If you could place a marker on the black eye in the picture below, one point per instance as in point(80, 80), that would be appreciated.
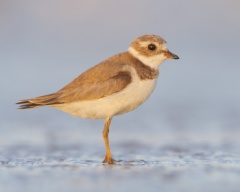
point(151, 47)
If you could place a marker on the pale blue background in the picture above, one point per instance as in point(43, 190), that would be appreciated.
point(45, 44)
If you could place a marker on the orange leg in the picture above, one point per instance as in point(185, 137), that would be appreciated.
point(108, 158)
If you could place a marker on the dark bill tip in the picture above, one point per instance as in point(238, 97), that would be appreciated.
point(175, 57)
point(170, 55)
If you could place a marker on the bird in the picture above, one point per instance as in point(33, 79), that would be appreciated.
point(113, 87)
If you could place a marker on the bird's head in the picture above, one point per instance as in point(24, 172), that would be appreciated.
point(151, 50)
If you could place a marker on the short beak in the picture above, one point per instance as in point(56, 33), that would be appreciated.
point(170, 55)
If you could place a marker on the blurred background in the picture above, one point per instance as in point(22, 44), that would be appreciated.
point(46, 44)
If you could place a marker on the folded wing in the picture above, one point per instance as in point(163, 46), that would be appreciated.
point(95, 83)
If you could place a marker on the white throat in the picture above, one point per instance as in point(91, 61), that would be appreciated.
point(151, 61)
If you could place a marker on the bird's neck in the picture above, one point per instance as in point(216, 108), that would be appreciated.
point(143, 71)
point(151, 61)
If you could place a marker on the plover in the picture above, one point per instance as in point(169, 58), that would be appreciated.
point(115, 86)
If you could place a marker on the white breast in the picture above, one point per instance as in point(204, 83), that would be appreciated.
point(118, 103)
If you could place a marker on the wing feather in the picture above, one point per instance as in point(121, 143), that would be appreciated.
point(96, 89)
point(106, 78)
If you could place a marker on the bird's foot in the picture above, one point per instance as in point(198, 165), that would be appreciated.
point(109, 160)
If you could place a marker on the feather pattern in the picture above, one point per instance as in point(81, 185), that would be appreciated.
point(106, 78)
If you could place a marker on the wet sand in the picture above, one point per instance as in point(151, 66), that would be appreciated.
point(168, 163)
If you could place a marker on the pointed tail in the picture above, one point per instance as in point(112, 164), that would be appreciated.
point(45, 100)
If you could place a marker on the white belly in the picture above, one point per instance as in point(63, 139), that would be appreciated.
point(118, 103)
